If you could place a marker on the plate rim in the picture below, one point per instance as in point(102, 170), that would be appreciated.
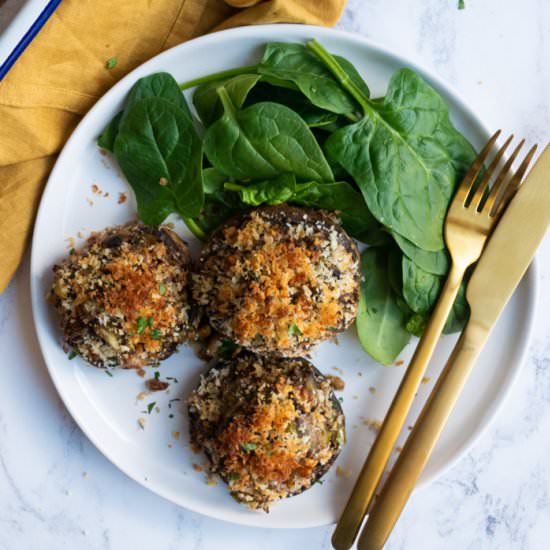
point(358, 41)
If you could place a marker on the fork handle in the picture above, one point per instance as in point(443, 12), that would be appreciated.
point(379, 454)
point(422, 440)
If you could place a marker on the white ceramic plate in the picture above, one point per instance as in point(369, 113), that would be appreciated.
point(106, 408)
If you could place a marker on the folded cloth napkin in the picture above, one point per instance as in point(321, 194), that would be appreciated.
point(67, 68)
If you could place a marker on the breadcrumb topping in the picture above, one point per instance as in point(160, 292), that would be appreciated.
point(270, 427)
point(279, 279)
point(123, 299)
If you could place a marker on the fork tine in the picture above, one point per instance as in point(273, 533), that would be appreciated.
point(501, 178)
point(510, 188)
point(469, 179)
point(481, 190)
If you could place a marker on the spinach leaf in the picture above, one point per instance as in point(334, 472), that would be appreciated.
point(421, 290)
point(317, 119)
point(395, 272)
point(276, 191)
point(337, 169)
point(156, 85)
point(162, 85)
point(219, 204)
point(459, 313)
point(217, 209)
point(296, 64)
point(437, 263)
point(406, 178)
point(353, 74)
point(416, 324)
point(380, 321)
point(207, 101)
point(393, 180)
point(418, 112)
point(106, 139)
point(377, 237)
point(160, 154)
point(213, 181)
point(313, 116)
point(218, 76)
point(331, 127)
point(263, 141)
point(404, 154)
point(455, 322)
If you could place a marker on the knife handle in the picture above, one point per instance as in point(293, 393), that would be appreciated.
point(421, 441)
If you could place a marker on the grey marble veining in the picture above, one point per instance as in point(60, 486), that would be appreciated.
point(57, 491)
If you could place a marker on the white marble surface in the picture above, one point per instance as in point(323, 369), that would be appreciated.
point(57, 491)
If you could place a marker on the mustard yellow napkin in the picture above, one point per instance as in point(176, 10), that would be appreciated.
point(63, 73)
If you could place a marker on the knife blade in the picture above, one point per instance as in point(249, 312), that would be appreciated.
point(503, 263)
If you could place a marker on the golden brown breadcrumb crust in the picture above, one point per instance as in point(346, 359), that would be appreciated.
point(123, 300)
point(270, 427)
point(279, 279)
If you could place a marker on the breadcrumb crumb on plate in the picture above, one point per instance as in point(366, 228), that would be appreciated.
point(343, 472)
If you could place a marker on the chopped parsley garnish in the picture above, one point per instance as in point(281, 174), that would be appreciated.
point(156, 333)
point(341, 399)
point(150, 407)
point(247, 447)
point(461, 4)
point(72, 354)
point(294, 330)
point(111, 63)
point(142, 323)
point(232, 476)
point(72, 251)
point(157, 375)
point(162, 289)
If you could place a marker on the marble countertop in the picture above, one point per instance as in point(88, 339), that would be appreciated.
point(57, 491)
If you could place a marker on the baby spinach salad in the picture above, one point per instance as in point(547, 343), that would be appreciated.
point(300, 127)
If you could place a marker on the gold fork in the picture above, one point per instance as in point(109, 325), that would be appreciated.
point(473, 213)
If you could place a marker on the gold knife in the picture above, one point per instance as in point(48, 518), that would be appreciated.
point(500, 269)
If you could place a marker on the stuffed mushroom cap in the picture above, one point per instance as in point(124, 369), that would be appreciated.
point(123, 301)
point(279, 279)
point(270, 426)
